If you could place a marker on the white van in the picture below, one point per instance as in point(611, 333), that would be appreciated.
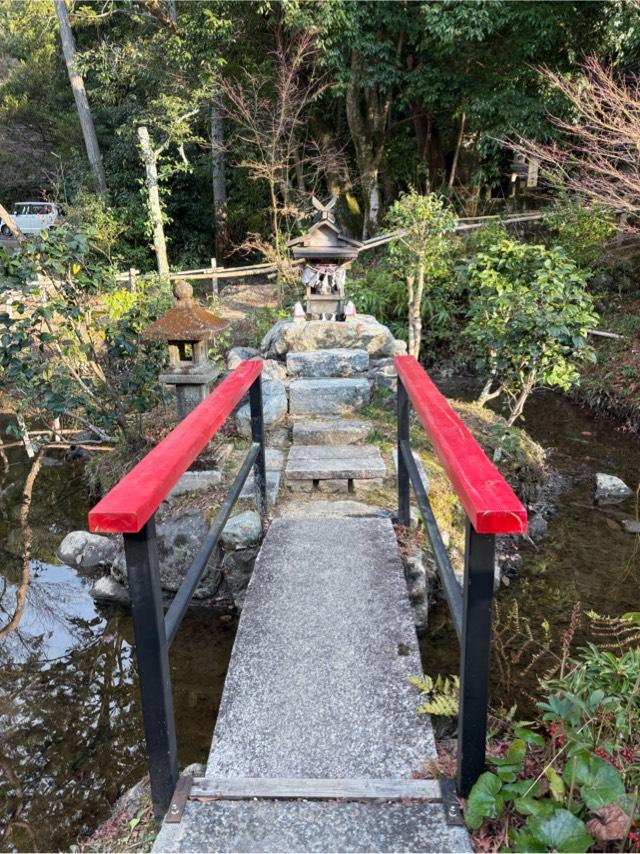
point(31, 217)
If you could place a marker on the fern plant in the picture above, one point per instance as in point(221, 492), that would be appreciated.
point(441, 694)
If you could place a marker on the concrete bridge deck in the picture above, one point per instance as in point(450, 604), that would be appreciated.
point(317, 689)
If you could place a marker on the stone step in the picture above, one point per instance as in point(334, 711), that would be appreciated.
point(334, 462)
point(328, 363)
point(325, 509)
point(332, 431)
point(328, 396)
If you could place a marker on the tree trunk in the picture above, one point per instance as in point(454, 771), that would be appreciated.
point(155, 209)
point(9, 221)
point(411, 301)
point(518, 409)
point(372, 195)
point(299, 168)
point(454, 165)
point(416, 310)
point(367, 115)
point(80, 96)
point(218, 173)
point(488, 392)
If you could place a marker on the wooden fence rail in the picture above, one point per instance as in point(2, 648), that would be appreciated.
point(216, 273)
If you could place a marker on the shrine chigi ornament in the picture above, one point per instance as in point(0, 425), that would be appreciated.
point(328, 254)
point(187, 327)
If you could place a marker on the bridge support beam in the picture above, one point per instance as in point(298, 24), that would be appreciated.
point(152, 654)
point(475, 649)
point(257, 435)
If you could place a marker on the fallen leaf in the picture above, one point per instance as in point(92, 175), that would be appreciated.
point(610, 822)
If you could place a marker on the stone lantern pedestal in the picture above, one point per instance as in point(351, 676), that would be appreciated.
point(192, 385)
point(187, 328)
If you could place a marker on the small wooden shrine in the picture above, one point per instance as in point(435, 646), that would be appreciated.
point(328, 254)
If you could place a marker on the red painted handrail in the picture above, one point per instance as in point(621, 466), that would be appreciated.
point(489, 501)
point(126, 508)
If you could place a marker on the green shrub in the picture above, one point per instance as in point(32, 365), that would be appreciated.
point(71, 340)
point(581, 232)
point(421, 255)
point(529, 313)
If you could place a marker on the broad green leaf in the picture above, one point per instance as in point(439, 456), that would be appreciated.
point(523, 840)
point(534, 806)
point(485, 798)
point(604, 787)
point(560, 831)
point(519, 788)
point(529, 736)
point(514, 755)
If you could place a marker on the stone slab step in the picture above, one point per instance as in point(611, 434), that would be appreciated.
point(335, 462)
point(328, 363)
point(328, 509)
point(318, 688)
point(328, 396)
point(333, 431)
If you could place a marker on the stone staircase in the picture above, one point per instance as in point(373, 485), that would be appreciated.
point(326, 391)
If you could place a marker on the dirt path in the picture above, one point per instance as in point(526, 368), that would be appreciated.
point(237, 300)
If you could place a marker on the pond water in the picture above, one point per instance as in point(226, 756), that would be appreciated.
point(71, 738)
point(586, 556)
point(70, 728)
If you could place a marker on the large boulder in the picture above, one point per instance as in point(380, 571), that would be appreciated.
point(274, 407)
point(178, 540)
point(111, 592)
point(237, 567)
point(362, 333)
point(87, 551)
point(236, 355)
point(241, 531)
point(610, 489)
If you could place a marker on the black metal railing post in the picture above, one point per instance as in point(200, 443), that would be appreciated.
point(257, 434)
point(153, 664)
point(404, 505)
point(475, 647)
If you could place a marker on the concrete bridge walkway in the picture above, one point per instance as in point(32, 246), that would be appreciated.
point(318, 745)
point(317, 691)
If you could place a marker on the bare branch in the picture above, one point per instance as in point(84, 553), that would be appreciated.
point(597, 156)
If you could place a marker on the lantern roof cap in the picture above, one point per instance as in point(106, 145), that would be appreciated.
point(186, 321)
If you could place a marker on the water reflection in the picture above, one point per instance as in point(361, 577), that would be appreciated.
point(586, 556)
point(71, 737)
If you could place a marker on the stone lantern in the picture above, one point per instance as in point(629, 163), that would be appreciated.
point(328, 254)
point(187, 327)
